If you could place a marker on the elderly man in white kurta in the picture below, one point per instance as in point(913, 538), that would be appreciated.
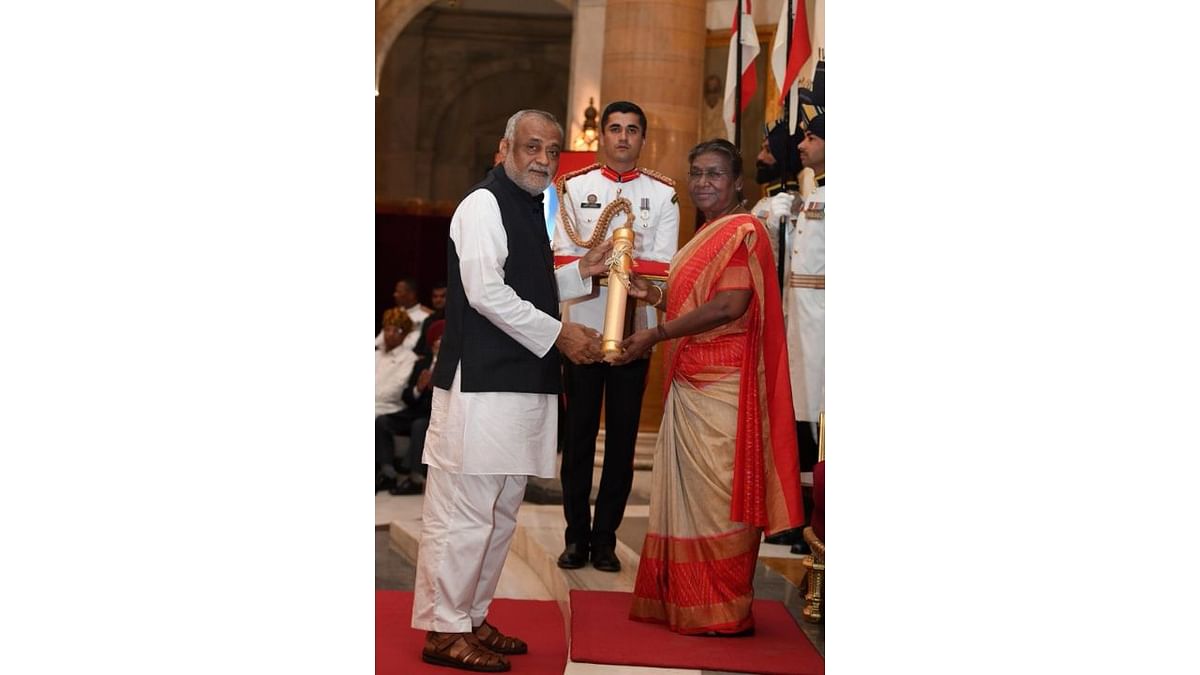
point(805, 306)
point(494, 410)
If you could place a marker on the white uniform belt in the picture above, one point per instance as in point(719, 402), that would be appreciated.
point(807, 281)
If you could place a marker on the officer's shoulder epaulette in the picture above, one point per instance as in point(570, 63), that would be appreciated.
point(659, 177)
point(577, 172)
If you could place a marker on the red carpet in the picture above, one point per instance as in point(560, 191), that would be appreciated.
point(601, 632)
point(537, 622)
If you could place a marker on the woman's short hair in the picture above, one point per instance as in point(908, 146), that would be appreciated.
point(399, 318)
point(719, 146)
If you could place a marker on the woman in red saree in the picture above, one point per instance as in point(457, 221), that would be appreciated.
point(726, 466)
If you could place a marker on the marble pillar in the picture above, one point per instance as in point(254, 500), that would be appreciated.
point(654, 56)
point(587, 46)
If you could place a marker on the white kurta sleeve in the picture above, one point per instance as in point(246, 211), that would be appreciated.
point(570, 286)
point(482, 247)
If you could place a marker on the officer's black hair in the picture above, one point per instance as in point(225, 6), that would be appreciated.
point(623, 107)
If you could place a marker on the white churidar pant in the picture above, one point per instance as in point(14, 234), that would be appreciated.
point(468, 524)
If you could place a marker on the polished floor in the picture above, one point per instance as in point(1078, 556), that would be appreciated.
point(530, 571)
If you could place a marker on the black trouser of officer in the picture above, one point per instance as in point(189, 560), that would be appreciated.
point(806, 442)
point(621, 389)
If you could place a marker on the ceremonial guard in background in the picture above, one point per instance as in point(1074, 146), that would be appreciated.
point(805, 304)
point(588, 205)
point(777, 165)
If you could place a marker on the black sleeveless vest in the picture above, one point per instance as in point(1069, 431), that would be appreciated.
point(491, 360)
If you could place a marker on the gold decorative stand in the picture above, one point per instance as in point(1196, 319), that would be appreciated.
point(814, 580)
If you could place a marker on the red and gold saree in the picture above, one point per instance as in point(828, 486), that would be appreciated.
point(726, 465)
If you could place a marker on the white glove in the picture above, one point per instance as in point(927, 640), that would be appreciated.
point(781, 205)
point(762, 209)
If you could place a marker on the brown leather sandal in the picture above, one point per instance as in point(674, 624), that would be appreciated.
point(493, 639)
point(461, 650)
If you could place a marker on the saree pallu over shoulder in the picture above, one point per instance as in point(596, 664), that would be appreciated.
point(766, 473)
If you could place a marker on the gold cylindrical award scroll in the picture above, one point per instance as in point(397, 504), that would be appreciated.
point(618, 292)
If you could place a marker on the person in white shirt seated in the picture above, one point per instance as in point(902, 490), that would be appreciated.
point(413, 421)
point(392, 370)
point(405, 297)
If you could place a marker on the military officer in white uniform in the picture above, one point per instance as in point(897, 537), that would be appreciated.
point(777, 165)
point(587, 216)
point(804, 308)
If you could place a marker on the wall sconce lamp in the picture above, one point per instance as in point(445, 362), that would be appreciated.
point(589, 139)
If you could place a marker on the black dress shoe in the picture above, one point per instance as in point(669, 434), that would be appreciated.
point(573, 557)
point(786, 538)
point(407, 487)
point(604, 558)
point(384, 483)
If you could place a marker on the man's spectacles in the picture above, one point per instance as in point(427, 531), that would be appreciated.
point(713, 175)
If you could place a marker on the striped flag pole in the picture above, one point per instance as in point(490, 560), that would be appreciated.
point(737, 106)
point(783, 162)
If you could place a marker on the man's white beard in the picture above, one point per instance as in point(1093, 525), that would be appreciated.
point(534, 185)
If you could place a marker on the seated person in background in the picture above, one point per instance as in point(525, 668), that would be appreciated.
point(405, 297)
point(392, 370)
point(438, 300)
point(414, 419)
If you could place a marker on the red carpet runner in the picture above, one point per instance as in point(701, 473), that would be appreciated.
point(537, 622)
point(601, 632)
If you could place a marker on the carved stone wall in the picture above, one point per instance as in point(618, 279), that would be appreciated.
point(449, 83)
